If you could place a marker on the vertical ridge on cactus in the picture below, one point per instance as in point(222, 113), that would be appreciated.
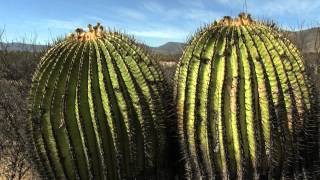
point(96, 109)
point(245, 105)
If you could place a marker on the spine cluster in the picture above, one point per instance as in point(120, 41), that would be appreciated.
point(93, 33)
point(245, 105)
point(98, 111)
point(245, 108)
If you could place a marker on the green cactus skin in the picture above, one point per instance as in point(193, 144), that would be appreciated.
point(245, 106)
point(97, 110)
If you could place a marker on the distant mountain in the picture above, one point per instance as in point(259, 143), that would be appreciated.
point(16, 46)
point(169, 48)
point(305, 40)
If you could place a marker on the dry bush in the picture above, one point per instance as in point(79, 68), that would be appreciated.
point(14, 163)
point(16, 69)
point(168, 65)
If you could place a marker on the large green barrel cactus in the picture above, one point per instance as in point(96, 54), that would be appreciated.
point(97, 111)
point(245, 105)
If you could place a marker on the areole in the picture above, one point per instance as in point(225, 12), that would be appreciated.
point(98, 109)
point(93, 33)
point(245, 105)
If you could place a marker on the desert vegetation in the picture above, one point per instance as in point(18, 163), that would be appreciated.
point(17, 69)
point(98, 109)
point(245, 85)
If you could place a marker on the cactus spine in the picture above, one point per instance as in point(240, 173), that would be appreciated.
point(96, 109)
point(245, 106)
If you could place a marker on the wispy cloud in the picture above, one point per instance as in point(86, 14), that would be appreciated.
point(224, 1)
point(130, 13)
point(288, 7)
point(61, 24)
point(194, 4)
point(153, 21)
point(95, 18)
point(153, 6)
point(55, 24)
point(163, 12)
point(191, 11)
point(165, 34)
point(202, 15)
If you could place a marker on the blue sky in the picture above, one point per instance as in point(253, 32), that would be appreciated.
point(153, 22)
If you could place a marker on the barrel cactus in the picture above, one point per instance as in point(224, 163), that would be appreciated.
point(245, 105)
point(97, 109)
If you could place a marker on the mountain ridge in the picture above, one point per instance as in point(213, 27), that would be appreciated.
point(170, 48)
point(18, 46)
point(308, 41)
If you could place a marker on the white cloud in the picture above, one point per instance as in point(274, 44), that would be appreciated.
point(162, 11)
point(190, 11)
point(95, 18)
point(153, 7)
point(223, 1)
point(54, 24)
point(194, 3)
point(202, 15)
point(130, 13)
point(164, 34)
point(288, 7)
point(61, 24)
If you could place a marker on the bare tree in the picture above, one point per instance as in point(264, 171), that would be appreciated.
point(317, 48)
point(12, 134)
point(16, 70)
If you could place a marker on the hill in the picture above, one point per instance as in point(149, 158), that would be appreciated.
point(17, 46)
point(307, 40)
point(169, 48)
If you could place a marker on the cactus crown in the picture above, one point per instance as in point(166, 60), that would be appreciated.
point(97, 109)
point(241, 20)
point(243, 96)
point(93, 33)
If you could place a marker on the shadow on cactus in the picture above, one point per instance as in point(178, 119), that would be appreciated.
point(245, 105)
point(97, 109)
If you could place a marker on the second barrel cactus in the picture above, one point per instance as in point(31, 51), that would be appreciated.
point(245, 106)
point(97, 109)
